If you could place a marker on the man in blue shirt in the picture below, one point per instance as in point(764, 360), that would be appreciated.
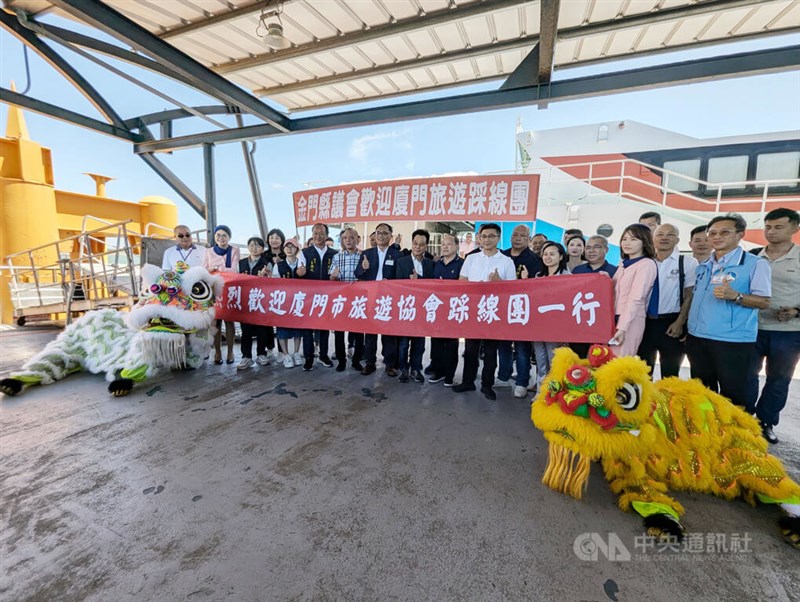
point(731, 286)
point(595, 252)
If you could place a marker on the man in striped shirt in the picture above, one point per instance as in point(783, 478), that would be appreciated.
point(343, 268)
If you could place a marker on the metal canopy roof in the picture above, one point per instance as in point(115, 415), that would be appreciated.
point(345, 51)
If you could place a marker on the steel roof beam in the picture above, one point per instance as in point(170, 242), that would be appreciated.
point(560, 68)
point(235, 13)
point(736, 65)
point(439, 17)
point(111, 50)
point(548, 28)
point(57, 62)
point(339, 78)
point(173, 114)
point(103, 17)
point(50, 110)
point(513, 44)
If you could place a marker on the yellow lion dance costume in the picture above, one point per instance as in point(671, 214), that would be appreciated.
point(652, 437)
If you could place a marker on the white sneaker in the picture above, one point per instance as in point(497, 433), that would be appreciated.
point(520, 392)
point(288, 362)
point(299, 360)
point(501, 383)
point(244, 364)
point(277, 356)
point(262, 360)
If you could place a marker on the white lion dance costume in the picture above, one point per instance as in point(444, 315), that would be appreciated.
point(172, 327)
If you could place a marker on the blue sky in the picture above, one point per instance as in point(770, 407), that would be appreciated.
point(478, 142)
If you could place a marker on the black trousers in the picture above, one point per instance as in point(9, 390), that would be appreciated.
point(722, 367)
point(341, 348)
point(471, 357)
point(444, 357)
point(308, 342)
point(671, 351)
point(388, 348)
point(264, 336)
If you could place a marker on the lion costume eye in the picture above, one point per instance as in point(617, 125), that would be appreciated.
point(629, 396)
point(201, 291)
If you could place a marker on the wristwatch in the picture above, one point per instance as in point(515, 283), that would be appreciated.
point(739, 299)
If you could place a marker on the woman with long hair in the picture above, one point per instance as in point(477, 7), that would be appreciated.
point(554, 258)
point(222, 257)
point(634, 281)
point(274, 252)
point(575, 252)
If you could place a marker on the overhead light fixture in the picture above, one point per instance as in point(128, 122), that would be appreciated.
point(270, 28)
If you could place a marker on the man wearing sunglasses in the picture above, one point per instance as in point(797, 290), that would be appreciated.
point(185, 251)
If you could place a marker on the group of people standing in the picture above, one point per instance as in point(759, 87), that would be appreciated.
point(725, 309)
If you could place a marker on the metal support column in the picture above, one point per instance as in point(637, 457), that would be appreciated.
point(255, 188)
point(211, 195)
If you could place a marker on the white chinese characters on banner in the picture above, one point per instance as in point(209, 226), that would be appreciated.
point(468, 197)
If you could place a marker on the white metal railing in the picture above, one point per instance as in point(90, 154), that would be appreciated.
point(70, 270)
point(747, 191)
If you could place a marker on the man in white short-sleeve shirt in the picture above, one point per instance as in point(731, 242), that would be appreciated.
point(184, 252)
point(668, 308)
point(487, 265)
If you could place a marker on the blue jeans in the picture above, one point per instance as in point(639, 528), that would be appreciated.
point(506, 361)
point(417, 346)
point(781, 349)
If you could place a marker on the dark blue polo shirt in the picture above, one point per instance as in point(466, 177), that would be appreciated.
point(584, 268)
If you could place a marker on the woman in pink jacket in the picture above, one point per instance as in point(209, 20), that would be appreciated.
point(222, 257)
point(633, 284)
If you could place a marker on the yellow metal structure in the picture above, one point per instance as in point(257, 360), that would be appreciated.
point(34, 213)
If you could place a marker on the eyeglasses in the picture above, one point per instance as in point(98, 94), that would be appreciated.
point(490, 236)
point(183, 235)
point(383, 233)
point(594, 248)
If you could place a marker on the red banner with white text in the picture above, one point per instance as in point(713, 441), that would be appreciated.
point(471, 198)
point(574, 309)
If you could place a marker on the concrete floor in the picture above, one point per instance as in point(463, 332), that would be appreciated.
point(278, 484)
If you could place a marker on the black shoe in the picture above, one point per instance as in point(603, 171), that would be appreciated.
point(403, 376)
point(489, 393)
point(448, 382)
point(368, 369)
point(768, 433)
point(417, 377)
point(341, 366)
point(435, 378)
point(391, 372)
point(325, 361)
point(308, 365)
point(463, 388)
point(357, 365)
point(428, 370)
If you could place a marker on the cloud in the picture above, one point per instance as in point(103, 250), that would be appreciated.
point(365, 146)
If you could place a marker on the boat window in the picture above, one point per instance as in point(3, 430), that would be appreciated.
point(779, 166)
point(674, 181)
point(732, 170)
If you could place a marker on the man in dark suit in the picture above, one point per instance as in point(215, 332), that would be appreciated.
point(318, 259)
point(415, 265)
point(380, 263)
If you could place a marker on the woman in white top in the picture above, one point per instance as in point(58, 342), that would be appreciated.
point(222, 257)
point(554, 258)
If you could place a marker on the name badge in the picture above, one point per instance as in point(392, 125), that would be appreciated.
point(389, 262)
point(718, 279)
